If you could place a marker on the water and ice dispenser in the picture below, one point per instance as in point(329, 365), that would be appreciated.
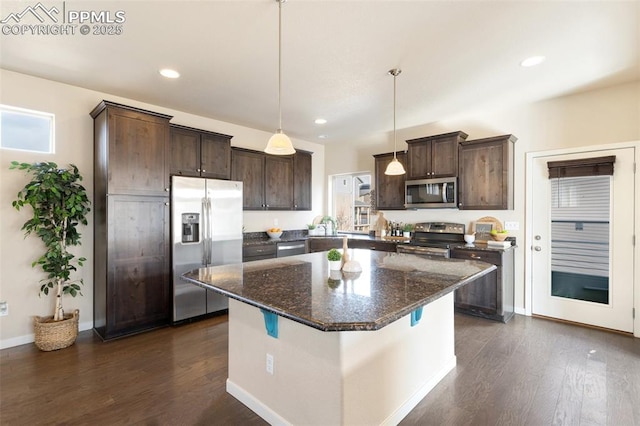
point(190, 227)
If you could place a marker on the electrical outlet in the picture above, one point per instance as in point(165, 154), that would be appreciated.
point(4, 309)
point(269, 363)
point(512, 226)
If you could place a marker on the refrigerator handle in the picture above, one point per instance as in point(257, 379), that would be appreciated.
point(205, 233)
point(209, 231)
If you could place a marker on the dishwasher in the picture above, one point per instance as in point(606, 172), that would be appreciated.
point(291, 248)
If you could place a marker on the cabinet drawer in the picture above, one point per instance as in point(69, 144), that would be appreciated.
point(389, 246)
point(492, 257)
point(264, 251)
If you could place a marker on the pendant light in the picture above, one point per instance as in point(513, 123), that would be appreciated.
point(395, 167)
point(279, 143)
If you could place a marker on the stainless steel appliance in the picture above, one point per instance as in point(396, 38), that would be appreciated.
point(434, 239)
point(206, 219)
point(431, 193)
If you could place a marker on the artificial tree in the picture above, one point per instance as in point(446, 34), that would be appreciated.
point(59, 203)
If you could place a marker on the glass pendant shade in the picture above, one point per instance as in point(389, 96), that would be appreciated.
point(279, 144)
point(394, 168)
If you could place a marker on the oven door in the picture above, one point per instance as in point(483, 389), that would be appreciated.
point(423, 250)
point(431, 193)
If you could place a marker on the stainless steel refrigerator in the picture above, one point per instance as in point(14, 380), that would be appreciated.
point(206, 229)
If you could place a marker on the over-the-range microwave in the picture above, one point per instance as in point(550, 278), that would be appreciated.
point(431, 193)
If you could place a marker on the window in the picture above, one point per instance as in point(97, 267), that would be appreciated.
point(26, 130)
point(351, 201)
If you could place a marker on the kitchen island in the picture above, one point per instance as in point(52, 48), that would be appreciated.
point(313, 346)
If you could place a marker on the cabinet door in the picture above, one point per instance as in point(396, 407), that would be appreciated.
point(138, 153)
point(248, 167)
point(215, 160)
point(185, 152)
point(278, 182)
point(444, 156)
point(480, 295)
point(138, 261)
point(419, 160)
point(302, 174)
point(389, 189)
point(485, 176)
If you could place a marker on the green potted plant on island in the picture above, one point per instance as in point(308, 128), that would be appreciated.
point(335, 259)
point(59, 203)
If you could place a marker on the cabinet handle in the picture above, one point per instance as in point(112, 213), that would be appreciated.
point(475, 256)
point(198, 170)
point(204, 171)
point(459, 204)
point(166, 189)
point(166, 204)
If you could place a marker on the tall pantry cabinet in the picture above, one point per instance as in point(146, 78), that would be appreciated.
point(132, 273)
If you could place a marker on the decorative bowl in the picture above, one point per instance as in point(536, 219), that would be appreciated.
point(274, 234)
point(469, 238)
point(501, 236)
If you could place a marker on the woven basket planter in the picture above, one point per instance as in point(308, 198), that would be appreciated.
point(53, 335)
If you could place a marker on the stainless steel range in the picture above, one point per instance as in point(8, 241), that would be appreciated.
point(434, 239)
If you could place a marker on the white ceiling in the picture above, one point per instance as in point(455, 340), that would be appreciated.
point(456, 57)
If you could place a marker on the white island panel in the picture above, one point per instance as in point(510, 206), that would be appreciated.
point(338, 378)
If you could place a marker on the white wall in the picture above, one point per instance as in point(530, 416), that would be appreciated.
point(591, 118)
point(74, 144)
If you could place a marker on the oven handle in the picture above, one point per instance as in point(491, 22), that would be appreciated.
point(444, 192)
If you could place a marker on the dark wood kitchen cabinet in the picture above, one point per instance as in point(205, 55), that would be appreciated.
point(485, 173)
point(268, 180)
point(132, 288)
point(490, 296)
point(200, 153)
point(302, 161)
point(434, 156)
point(389, 193)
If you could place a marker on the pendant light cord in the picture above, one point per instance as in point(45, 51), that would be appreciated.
point(280, 65)
point(394, 117)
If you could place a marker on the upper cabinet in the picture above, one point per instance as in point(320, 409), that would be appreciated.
point(389, 189)
point(131, 150)
point(200, 153)
point(278, 182)
point(434, 156)
point(302, 180)
point(272, 182)
point(485, 174)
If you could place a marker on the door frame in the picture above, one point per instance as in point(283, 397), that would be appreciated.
point(528, 237)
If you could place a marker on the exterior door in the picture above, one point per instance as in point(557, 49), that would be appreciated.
point(582, 266)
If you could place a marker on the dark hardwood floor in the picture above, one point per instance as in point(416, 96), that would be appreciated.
point(529, 371)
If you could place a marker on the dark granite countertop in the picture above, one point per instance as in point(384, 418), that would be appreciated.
point(390, 286)
point(481, 247)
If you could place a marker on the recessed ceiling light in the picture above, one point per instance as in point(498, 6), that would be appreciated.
point(532, 61)
point(169, 73)
point(320, 121)
point(322, 137)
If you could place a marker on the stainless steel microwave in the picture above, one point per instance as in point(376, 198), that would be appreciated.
point(431, 193)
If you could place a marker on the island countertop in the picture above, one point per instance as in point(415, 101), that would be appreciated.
point(301, 288)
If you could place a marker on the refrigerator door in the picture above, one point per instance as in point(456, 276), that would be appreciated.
point(188, 220)
point(224, 230)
